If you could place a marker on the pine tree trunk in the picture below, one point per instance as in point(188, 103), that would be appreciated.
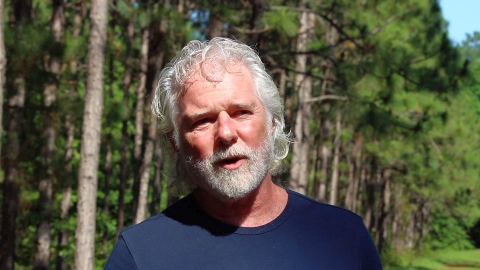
point(350, 196)
point(124, 164)
point(258, 8)
point(303, 84)
point(91, 132)
point(382, 232)
point(108, 135)
point(141, 212)
point(12, 176)
point(12, 180)
point(64, 235)
point(157, 181)
point(369, 200)
point(156, 54)
point(139, 118)
point(336, 160)
point(43, 237)
point(68, 179)
point(215, 23)
point(3, 69)
point(322, 188)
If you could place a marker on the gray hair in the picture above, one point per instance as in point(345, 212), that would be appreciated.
point(218, 50)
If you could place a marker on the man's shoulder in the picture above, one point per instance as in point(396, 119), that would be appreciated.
point(168, 220)
point(321, 211)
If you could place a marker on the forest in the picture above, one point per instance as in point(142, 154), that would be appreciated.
point(384, 110)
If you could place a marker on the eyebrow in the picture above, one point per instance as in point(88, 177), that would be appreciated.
point(192, 117)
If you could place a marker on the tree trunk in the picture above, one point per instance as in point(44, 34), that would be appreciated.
point(139, 119)
point(124, 164)
point(157, 181)
point(91, 132)
point(303, 84)
point(215, 23)
point(64, 235)
point(354, 164)
point(43, 237)
point(11, 184)
point(71, 92)
point(108, 135)
point(12, 177)
point(382, 232)
point(322, 188)
point(258, 8)
point(350, 196)
point(3, 69)
point(370, 193)
point(141, 212)
point(336, 160)
point(155, 62)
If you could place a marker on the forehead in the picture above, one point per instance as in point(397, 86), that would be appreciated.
point(205, 90)
point(218, 75)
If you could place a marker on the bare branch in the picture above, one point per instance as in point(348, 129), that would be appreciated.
point(325, 97)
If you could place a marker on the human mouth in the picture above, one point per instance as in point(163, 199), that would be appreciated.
point(231, 163)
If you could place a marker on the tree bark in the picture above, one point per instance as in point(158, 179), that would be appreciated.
point(124, 164)
point(69, 123)
point(12, 178)
point(336, 160)
point(382, 232)
point(139, 118)
point(215, 23)
point(303, 84)
point(141, 212)
point(91, 132)
point(258, 8)
point(64, 234)
point(157, 181)
point(43, 237)
point(12, 181)
point(155, 62)
point(3, 69)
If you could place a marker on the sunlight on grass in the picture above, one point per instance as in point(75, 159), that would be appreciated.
point(443, 260)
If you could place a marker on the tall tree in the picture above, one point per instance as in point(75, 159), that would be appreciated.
point(43, 238)
point(126, 84)
point(91, 132)
point(70, 121)
point(20, 12)
point(303, 85)
point(156, 54)
point(3, 67)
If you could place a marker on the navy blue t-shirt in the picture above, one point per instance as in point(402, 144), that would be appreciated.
point(307, 235)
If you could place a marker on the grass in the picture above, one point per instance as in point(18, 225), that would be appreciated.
point(443, 260)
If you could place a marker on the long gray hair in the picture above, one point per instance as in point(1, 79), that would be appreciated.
point(221, 52)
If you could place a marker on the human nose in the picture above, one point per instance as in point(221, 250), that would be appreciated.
point(226, 132)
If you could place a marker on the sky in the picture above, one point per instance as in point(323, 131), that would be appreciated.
point(462, 16)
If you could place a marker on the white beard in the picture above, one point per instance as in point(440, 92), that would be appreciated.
point(231, 185)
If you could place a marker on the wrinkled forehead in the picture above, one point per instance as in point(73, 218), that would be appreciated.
point(212, 61)
point(212, 69)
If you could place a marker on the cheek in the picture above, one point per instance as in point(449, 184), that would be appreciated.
point(198, 145)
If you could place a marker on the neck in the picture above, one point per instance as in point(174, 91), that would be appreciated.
point(260, 207)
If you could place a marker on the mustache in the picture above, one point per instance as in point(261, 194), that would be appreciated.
point(233, 151)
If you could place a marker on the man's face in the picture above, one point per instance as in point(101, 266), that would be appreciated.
point(224, 135)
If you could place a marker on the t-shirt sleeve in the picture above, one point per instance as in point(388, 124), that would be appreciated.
point(369, 256)
point(120, 258)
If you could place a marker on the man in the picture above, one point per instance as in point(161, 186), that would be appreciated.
point(223, 116)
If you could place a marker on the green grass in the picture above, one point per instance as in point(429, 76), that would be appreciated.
point(443, 260)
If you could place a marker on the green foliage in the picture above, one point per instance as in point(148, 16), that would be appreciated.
point(283, 20)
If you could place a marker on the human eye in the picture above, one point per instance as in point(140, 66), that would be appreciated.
point(201, 122)
point(242, 113)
